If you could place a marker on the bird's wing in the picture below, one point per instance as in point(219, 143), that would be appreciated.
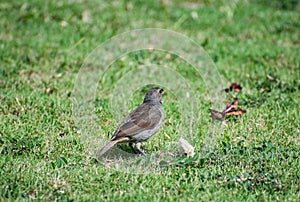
point(143, 118)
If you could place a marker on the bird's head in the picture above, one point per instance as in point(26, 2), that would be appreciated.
point(154, 95)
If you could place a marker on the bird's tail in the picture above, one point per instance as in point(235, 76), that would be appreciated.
point(109, 145)
point(105, 148)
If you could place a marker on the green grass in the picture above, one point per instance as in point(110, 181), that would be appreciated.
point(42, 47)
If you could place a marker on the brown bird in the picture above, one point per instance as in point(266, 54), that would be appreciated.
point(141, 124)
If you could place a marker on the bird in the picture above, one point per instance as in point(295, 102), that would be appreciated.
point(140, 125)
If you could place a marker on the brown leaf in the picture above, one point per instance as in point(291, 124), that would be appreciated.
point(233, 105)
point(234, 87)
point(229, 110)
point(216, 115)
point(236, 112)
point(232, 109)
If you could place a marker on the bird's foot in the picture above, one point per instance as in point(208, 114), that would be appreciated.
point(138, 146)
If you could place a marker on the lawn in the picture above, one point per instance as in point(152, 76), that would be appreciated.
point(45, 154)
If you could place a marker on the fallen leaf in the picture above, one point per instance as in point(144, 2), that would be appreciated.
point(236, 112)
point(185, 147)
point(234, 87)
point(229, 110)
point(233, 110)
point(216, 115)
point(233, 105)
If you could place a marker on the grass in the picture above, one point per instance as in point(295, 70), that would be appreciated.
point(254, 43)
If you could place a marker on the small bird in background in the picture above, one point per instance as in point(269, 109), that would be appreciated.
point(141, 124)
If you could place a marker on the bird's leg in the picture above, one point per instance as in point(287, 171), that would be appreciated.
point(138, 146)
point(131, 146)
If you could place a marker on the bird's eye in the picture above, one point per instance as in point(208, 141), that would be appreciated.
point(161, 91)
